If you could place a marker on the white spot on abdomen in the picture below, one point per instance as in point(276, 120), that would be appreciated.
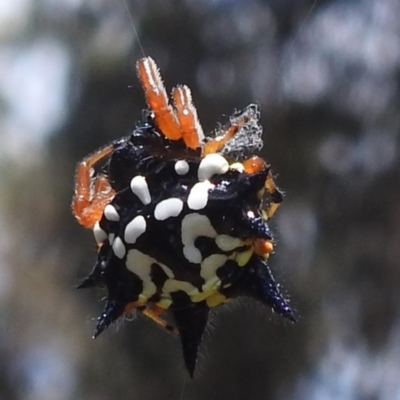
point(181, 167)
point(140, 188)
point(111, 213)
point(237, 167)
point(134, 229)
point(168, 208)
point(198, 196)
point(140, 264)
point(167, 270)
point(210, 165)
point(119, 248)
point(228, 243)
point(210, 265)
point(250, 214)
point(99, 234)
point(194, 226)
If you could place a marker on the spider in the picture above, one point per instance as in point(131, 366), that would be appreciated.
point(178, 217)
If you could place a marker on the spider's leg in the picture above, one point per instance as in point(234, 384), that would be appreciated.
point(256, 164)
point(263, 245)
point(157, 98)
point(275, 193)
point(217, 143)
point(116, 309)
point(191, 323)
point(186, 113)
point(92, 194)
point(236, 122)
point(153, 313)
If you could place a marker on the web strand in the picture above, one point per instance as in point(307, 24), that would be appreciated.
point(134, 27)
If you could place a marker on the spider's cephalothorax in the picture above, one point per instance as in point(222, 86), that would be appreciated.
point(178, 217)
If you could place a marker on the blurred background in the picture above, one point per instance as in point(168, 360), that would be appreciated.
point(326, 75)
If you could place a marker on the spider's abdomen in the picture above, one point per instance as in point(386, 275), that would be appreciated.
point(181, 231)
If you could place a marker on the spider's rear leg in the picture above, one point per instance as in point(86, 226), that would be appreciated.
point(92, 194)
point(157, 98)
point(186, 113)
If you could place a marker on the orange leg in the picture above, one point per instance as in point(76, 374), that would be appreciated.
point(257, 164)
point(216, 144)
point(92, 194)
point(187, 116)
point(235, 124)
point(153, 312)
point(254, 164)
point(263, 247)
point(157, 99)
point(275, 193)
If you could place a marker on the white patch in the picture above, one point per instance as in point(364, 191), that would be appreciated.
point(140, 264)
point(140, 188)
point(167, 270)
point(134, 229)
point(237, 167)
point(111, 213)
point(181, 167)
point(250, 214)
point(210, 165)
point(210, 265)
point(193, 226)
point(244, 257)
point(198, 196)
point(228, 243)
point(99, 234)
point(192, 254)
point(111, 238)
point(168, 208)
point(119, 248)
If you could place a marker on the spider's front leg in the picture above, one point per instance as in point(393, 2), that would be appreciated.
point(157, 99)
point(92, 194)
point(192, 132)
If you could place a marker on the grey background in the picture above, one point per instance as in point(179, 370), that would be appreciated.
point(326, 76)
